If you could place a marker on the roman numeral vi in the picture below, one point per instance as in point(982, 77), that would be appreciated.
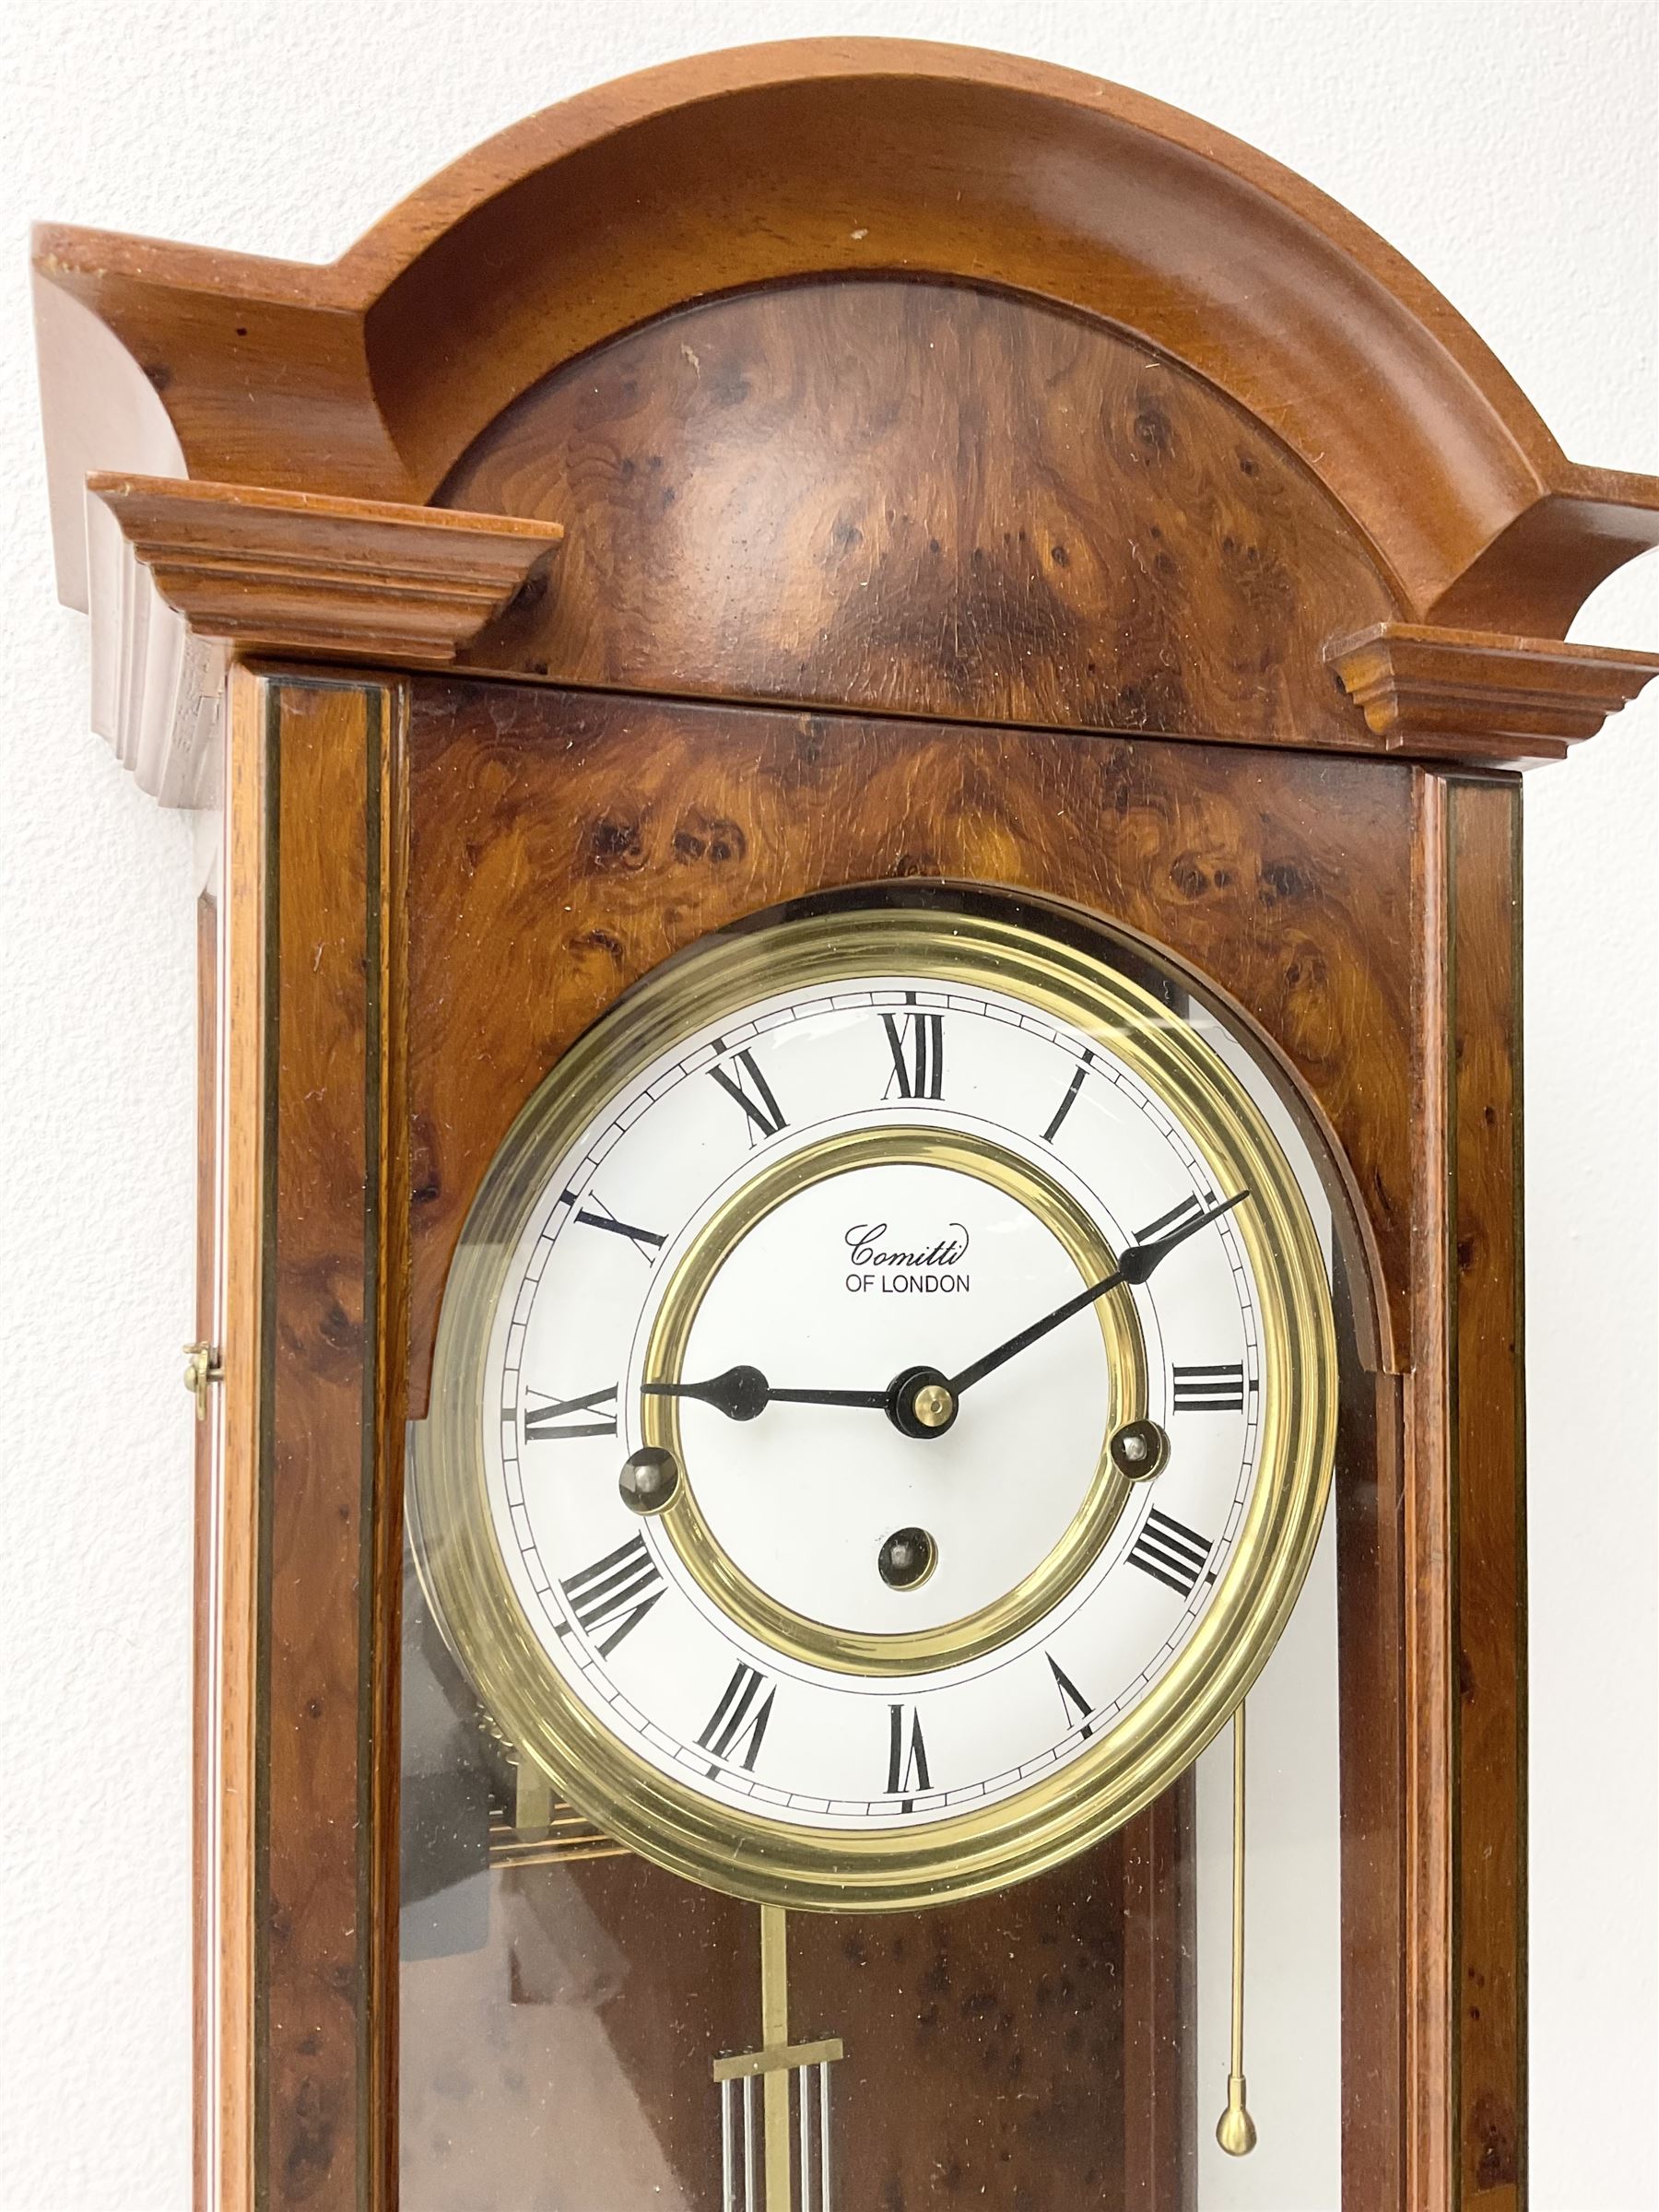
point(907, 1756)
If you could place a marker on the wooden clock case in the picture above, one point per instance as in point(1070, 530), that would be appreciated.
point(819, 464)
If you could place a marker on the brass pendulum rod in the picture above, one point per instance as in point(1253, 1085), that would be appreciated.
point(774, 2036)
point(1235, 2131)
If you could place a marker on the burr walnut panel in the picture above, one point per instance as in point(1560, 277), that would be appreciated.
point(926, 498)
point(564, 844)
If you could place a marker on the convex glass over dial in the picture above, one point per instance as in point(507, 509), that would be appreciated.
point(884, 1406)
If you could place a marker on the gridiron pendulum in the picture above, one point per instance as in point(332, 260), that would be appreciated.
point(1235, 2131)
point(756, 2163)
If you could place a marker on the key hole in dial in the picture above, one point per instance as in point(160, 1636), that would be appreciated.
point(907, 1559)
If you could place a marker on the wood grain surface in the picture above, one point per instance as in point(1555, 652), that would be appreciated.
point(1464, 1524)
point(320, 1907)
point(1428, 691)
point(386, 967)
point(564, 844)
point(310, 574)
point(926, 498)
point(840, 156)
point(1489, 1481)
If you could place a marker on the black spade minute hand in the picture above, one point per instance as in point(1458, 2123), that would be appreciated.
point(1134, 1266)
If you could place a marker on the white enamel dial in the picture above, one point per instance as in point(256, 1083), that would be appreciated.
point(862, 1274)
point(806, 1265)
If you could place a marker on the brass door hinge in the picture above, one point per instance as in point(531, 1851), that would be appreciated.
point(202, 1366)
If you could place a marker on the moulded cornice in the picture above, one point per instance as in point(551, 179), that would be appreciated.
point(370, 377)
point(1471, 695)
point(181, 572)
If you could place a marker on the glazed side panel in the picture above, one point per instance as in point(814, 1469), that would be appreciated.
point(203, 1756)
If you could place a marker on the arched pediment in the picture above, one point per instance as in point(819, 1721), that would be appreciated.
point(370, 377)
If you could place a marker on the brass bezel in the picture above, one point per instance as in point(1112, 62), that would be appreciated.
point(1129, 1763)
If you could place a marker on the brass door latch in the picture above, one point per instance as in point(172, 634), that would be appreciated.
point(202, 1366)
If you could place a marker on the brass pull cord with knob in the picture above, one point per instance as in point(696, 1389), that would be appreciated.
point(1236, 2131)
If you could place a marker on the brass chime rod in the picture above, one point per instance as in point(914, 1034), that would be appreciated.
point(1235, 2131)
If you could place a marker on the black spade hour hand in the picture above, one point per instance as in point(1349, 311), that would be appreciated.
point(743, 1392)
point(1134, 1266)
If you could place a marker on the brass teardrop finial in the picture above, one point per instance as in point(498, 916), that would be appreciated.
point(1236, 2131)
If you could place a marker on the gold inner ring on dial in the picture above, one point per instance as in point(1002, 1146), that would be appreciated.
point(951, 1643)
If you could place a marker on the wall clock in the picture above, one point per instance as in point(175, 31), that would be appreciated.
point(1106, 1458)
point(859, 991)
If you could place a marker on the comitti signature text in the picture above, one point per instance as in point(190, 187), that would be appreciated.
point(889, 1269)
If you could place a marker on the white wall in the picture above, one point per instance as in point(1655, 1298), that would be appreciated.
point(1509, 151)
